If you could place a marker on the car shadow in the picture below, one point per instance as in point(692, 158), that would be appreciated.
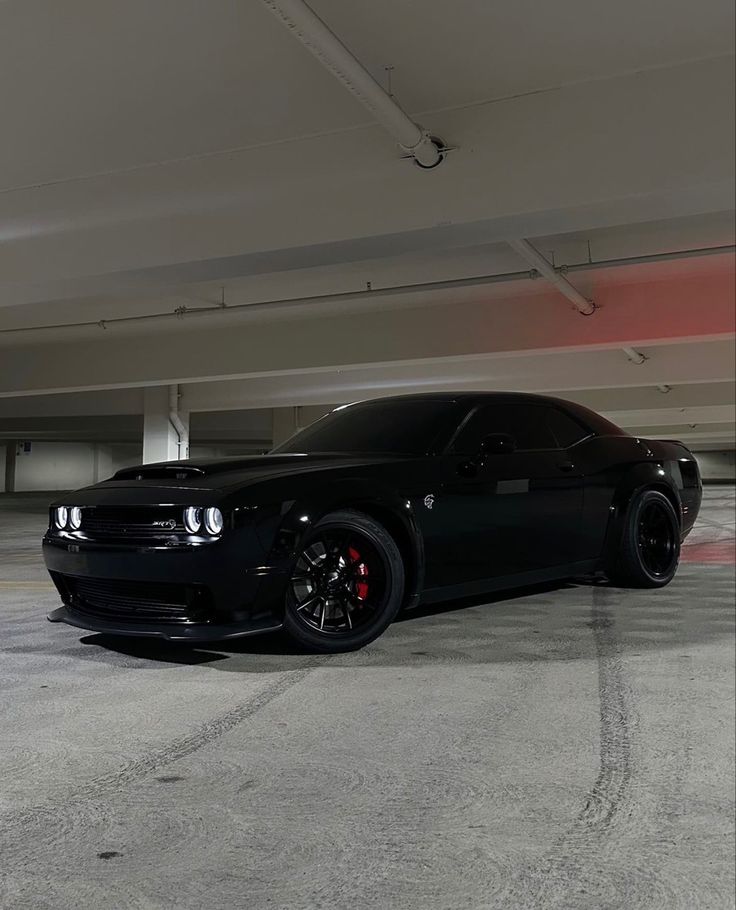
point(557, 621)
point(477, 600)
point(276, 652)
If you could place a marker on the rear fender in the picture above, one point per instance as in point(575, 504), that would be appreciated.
point(646, 476)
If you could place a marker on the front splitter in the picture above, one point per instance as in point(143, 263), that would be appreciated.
point(187, 632)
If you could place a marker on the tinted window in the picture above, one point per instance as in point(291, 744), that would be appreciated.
point(567, 431)
point(526, 423)
point(402, 427)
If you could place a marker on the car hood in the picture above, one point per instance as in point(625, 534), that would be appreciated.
point(192, 480)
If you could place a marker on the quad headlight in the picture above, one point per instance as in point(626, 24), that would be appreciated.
point(193, 519)
point(61, 516)
point(210, 520)
point(68, 517)
point(213, 521)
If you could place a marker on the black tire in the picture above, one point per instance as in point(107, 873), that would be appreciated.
point(347, 584)
point(649, 548)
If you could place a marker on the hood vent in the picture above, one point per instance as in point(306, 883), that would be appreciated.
point(159, 472)
point(187, 470)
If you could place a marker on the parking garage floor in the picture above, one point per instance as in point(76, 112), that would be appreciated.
point(568, 747)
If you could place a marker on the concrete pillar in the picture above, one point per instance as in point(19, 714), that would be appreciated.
point(285, 424)
point(102, 463)
point(10, 452)
point(160, 440)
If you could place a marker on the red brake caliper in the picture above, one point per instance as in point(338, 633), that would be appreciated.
point(361, 569)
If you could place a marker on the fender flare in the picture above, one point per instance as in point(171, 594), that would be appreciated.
point(379, 501)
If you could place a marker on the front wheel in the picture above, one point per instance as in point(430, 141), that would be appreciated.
point(649, 549)
point(346, 586)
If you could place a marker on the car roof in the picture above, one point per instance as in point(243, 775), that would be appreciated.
point(472, 397)
point(590, 418)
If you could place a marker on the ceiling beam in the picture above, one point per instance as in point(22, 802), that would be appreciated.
point(645, 315)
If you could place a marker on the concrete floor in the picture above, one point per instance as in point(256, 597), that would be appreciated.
point(561, 748)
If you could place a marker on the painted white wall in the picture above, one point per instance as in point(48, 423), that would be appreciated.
point(54, 466)
point(717, 465)
point(70, 465)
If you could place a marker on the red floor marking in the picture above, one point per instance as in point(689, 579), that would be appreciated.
point(714, 553)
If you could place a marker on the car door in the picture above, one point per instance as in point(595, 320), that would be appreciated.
point(509, 513)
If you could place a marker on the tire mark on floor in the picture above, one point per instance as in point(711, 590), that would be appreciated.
point(574, 859)
point(612, 784)
point(45, 821)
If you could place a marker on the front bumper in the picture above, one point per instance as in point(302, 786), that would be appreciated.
point(218, 590)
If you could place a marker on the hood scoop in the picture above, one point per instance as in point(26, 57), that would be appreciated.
point(188, 470)
point(159, 472)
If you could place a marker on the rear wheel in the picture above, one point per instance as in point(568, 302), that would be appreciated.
point(649, 550)
point(347, 584)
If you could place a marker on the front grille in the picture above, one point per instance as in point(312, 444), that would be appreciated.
point(132, 522)
point(136, 601)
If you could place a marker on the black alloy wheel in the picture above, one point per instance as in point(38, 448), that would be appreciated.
point(656, 538)
point(649, 552)
point(346, 585)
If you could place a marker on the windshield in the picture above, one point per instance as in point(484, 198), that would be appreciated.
point(394, 427)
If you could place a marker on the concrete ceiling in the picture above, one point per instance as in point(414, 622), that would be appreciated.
point(96, 86)
point(160, 152)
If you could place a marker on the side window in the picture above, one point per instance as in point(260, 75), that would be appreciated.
point(526, 423)
point(567, 431)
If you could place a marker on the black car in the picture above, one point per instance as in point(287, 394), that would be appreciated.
point(376, 507)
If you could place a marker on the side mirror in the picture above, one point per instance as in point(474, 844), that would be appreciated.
point(497, 444)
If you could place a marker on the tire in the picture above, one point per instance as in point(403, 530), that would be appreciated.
point(649, 548)
point(346, 586)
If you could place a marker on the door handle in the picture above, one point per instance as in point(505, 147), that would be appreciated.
point(566, 466)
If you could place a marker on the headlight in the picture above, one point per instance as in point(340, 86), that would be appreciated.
point(61, 514)
point(213, 521)
point(193, 519)
point(75, 518)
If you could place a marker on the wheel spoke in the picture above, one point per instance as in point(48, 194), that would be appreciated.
point(340, 546)
point(331, 573)
point(308, 603)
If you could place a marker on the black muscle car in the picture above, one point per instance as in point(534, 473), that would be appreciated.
point(377, 506)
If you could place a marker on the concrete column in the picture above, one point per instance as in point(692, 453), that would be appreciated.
point(102, 463)
point(160, 441)
point(10, 452)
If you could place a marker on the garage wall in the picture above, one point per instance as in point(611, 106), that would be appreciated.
point(717, 466)
point(54, 466)
point(69, 465)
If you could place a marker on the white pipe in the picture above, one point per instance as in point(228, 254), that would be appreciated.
point(548, 271)
point(346, 296)
point(176, 422)
point(634, 356)
point(306, 25)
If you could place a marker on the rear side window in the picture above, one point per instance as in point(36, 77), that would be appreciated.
point(567, 431)
point(525, 423)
